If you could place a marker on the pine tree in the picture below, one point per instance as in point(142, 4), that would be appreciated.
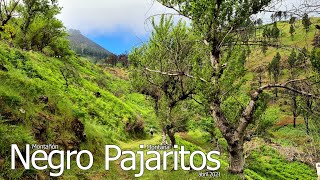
point(292, 31)
point(275, 32)
point(274, 69)
point(292, 20)
point(306, 22)
point(292, 59)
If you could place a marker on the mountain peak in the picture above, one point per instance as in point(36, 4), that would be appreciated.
point(85, 46)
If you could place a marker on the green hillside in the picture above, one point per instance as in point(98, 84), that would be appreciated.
point(50, 95)
point(44, 98)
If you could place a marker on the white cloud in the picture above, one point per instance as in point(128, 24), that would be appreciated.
point(99, 17)
point(106, 16)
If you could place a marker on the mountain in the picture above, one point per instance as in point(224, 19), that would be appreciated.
point(86, 47)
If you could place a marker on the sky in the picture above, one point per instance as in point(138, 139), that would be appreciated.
point(119, 25)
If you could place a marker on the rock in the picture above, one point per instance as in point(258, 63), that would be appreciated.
point(97, 94)
point(247, 138)
point(2, 68)
point(22, 111)
point(44, 99)
point(69, 144)
point(78, 128)
point(39, 130)
point(267, 140)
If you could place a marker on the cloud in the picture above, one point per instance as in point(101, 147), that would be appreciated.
point(107, 16)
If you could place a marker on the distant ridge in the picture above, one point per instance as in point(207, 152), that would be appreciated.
point(86, 47)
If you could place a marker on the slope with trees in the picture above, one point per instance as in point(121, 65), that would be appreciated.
point(224, 28)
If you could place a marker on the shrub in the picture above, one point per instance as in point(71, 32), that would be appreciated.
point(267, 119)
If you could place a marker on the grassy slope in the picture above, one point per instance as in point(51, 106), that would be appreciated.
point(32, 75)
point(301, 39)
point(282, 132)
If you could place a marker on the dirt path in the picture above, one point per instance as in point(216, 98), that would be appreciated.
point(133, 146)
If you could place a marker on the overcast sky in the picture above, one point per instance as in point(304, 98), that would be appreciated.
point(117, 25)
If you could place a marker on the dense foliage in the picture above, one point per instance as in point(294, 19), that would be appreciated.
point(32, 25)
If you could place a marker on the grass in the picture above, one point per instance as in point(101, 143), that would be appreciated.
point(32, 75)
point(266, 163)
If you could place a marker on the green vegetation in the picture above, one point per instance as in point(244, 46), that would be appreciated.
point(268, 164)
point(32, 75)
point(229, 36)
point(36, 103)
point(203, 95)
point(168, 92)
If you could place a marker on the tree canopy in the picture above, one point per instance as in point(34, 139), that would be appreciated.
point(32, 25)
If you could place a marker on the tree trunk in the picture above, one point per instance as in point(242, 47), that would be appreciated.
point(305, 65)
point(170, 127)
point(294, 105)
point(306, 122)
point(236, 157)
point(171, 136)
point(260, 80)
point(164, 136)
point(234, 135)
point(294, 111)
point(306, 117)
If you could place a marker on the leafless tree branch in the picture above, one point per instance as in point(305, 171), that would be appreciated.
point(175, 74)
